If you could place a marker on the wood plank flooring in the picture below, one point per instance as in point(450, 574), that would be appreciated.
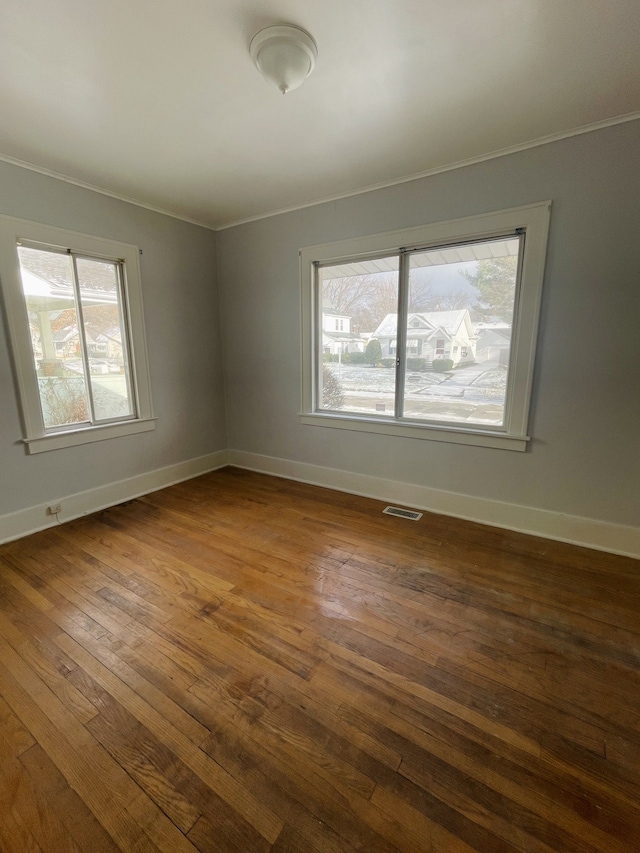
point(241, 664)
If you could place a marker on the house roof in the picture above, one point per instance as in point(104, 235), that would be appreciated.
point(113, 334)
point(64, 334)
point(498, 326)
point(71, 332)
point(448, 321)
point(488, 337)
point(54, 296)
point(48, 295)
point(342, 336)
point(435, 84)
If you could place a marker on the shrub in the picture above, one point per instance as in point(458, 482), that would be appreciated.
point(327, 357)
point(373, 352)
point(416, 364)
point(354, 358)
point(332, 394)
point(388, 362)
point(63, 400)
point(441, 365)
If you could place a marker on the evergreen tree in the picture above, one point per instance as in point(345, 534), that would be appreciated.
point(495, 278)
point(332, 394)
point(373, 352)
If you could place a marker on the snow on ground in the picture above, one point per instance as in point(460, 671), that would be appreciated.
point(472, 394)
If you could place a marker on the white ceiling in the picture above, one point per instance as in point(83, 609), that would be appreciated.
point(158, 100)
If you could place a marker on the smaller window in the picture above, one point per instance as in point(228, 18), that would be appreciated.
point(79, 337)
point(74, 306)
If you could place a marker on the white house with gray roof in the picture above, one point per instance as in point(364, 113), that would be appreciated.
point(431, 335)
point(337, 337)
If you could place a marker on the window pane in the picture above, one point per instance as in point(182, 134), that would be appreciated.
point(359, 303)
point(47, 283)
point(459, 327)
point(105, 338)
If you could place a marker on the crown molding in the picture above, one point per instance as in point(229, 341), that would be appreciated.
point(436, 170)
point(85, 185)
point(450, 167)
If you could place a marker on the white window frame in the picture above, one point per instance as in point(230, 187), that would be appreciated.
point(532, 221)
point(36, 437)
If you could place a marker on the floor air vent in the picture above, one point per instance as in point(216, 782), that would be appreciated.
point(402, 513)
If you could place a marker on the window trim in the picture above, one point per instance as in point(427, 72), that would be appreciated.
point(36, 438)
point(533, 219)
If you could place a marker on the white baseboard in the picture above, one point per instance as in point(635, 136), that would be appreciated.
point(26, 521)
point(613, 538)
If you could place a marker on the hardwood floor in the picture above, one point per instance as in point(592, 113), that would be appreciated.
point(242, 664)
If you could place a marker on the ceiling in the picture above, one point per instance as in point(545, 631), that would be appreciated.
point(158, 101)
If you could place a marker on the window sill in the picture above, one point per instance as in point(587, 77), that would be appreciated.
point(85, 435)
point(452, 435)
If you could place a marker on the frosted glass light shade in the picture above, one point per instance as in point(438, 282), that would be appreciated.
point(284, 55)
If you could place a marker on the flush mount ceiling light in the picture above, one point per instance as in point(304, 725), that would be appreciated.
point(284, 55)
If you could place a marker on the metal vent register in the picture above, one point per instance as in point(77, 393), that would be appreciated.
point(403, 513)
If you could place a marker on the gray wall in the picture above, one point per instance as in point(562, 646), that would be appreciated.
point(584, 459)
point(585, 455)
point(181, 312)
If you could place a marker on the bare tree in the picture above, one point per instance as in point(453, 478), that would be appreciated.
point(345, 295)
point(383, 301)
point(98, 318)
point(449, 301)
point(63, 400)
point(364, 298)
point(367, 299)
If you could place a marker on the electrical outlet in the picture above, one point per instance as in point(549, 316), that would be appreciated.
point(54, 509)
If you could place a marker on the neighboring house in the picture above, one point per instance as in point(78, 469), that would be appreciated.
point(431, 335)
point(108, 343)
point(66, 342)
point(103, 345)
point(337, 337)
point(494, 341)
point(96, 347)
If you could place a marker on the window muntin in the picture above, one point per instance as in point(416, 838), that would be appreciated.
point(74, 312)
point(529, 225)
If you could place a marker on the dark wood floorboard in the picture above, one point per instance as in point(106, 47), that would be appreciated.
point(242, 664)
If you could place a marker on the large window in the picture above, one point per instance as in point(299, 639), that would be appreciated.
point(442, 326)
point(74, 307)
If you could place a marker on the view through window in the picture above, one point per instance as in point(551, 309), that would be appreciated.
point(424, 337)
point(78, 337)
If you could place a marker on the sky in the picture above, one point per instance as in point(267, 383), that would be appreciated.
point(446, 278)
